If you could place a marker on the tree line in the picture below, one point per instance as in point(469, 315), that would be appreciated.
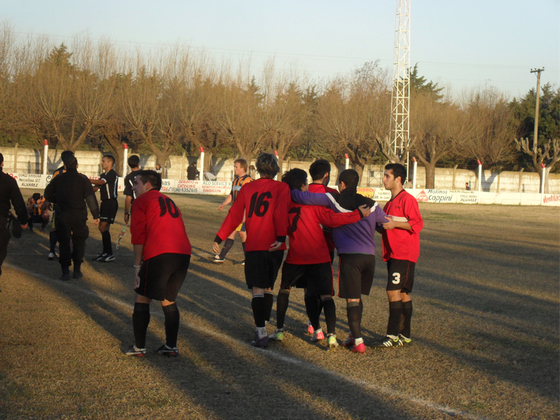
point(90, 95)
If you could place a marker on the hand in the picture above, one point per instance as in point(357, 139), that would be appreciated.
point(221, 207)
point(216, 248)
point(391, 224)
point(96, 222)
point(126, 218)
point(365, 210)
point(136, 277)
point(275, 246)
point(24, 226)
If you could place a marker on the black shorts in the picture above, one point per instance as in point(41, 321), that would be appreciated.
point(355, 275)
point(261, 268)
point(108, 211)
point(400, 275)
point(317, 278)
point(162, 276)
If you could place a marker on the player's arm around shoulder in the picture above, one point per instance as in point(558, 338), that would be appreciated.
point(329, 218)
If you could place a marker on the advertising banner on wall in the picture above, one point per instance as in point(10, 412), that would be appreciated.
point(184, 186)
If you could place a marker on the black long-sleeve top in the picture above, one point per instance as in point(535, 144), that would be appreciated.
point(10, 195)
point(70, 192)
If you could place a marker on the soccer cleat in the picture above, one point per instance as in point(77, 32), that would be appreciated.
point(51, 256)
point(78, 274)
point(349, 342)
point(260, 342)
point(243, 262)
point(360, 348)
point(65, 274)
point(135, 351)
point(389, 342)
point(218, 260)
point(108, 258)
point(318, 335)
point(165, 350)
point(333, 344)
point(310, 328)
point(277, 335)
point(405, 341)
point(100, 257)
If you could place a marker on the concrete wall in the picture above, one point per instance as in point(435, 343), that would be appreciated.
point(19, 160)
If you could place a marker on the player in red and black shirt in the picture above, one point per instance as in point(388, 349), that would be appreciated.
point(308, 263)
point(401, 249)
point(162, 253)
point(107, 184)
point(241, 178)
point(265, 204)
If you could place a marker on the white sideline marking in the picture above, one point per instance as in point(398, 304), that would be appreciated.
point(376, 388)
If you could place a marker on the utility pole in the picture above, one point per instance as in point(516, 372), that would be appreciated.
point(536, 132)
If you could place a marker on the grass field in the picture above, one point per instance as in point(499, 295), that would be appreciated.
point(485, 331)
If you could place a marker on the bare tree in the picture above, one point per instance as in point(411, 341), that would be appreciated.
point(543, 157)
point(240, 117)
point(436, 131)
point(492, 129)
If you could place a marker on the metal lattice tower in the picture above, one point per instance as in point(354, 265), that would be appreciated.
point(400, 96)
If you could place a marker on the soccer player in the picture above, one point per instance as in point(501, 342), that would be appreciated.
point(356, 249)
point(162, 254)
point(401, 248)
point(308, 263)
point(70, 192)
point(10, 195)
point(265, 202)
point(320, 172)
point(134, 163)
point(108, 184)
point(241, 178)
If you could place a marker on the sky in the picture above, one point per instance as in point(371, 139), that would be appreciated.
point(460, 44)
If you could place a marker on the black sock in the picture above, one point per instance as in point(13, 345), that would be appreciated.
point(313, 310)
point(172, 319)
point(52, 240)
point(330, 314)
point(243, 245)
point(354, 318)
point(259, 310)
point(282, 301)
point(227, 246)
point(407, 318)
point(394, 324)
point(269, 301)
point(107, 247)
point(140, 321)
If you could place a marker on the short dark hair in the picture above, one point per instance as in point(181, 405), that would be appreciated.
point(242, 163)
point(319, 168)
point(295, 178)
point(398, 171)
point(350, 178)
point(150, 176)
point(110, 157)
point(1, 158)
point(134, 161)
point(70, 162)
point(66, 155)
point(267, 166)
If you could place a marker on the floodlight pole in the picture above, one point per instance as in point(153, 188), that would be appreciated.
point(536, 131)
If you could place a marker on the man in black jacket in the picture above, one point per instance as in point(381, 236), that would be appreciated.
point(70, 192)
point(10, 195)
